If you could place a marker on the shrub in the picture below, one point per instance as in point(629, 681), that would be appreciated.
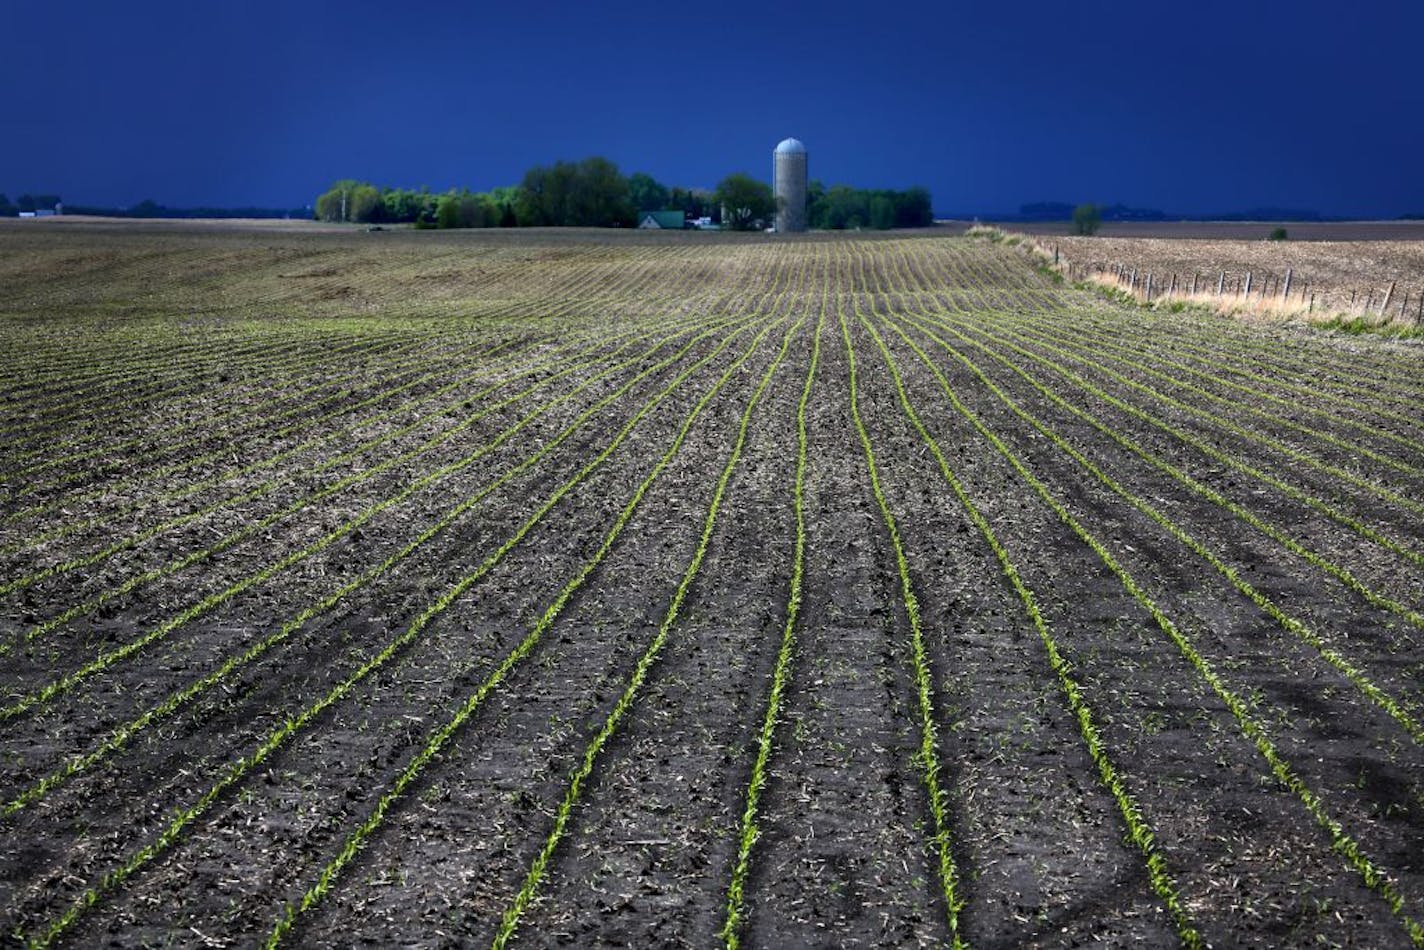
point(1278, 234)
point(1087, 218)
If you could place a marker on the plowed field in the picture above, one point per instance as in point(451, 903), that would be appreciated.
point(622, 589)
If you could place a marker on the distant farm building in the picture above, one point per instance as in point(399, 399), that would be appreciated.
point(665, 220)
point(788, 176)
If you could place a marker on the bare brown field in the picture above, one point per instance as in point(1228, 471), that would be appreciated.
point(1378, 282)
point(1236, 230)
point(591, 589)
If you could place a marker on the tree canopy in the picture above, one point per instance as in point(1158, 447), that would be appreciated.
point(590, 193)
point(593, 193)
point(1087, 218)
point(746, 203)
point(843, 207)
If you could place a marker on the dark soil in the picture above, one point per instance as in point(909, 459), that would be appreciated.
point(162, 401)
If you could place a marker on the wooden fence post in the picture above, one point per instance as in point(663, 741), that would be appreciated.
point(1220, 283)
point(1285, 293)
point(1387, 295)
point(1149, 285)
point(1247, 291)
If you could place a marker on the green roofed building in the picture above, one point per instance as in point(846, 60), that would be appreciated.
point(667, 220)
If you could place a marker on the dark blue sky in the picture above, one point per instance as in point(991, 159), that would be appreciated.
point(1186, 106)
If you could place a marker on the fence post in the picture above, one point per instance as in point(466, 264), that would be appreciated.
point(1220, 283)
point(1387, 295)
point(1247, 291)
point(1149, 285)
point(1285, 292)
point(1173, 288)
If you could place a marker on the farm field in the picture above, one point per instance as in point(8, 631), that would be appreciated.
point(1371, 272)
point(597, 588)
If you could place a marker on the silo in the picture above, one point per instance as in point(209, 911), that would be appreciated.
point(788, 176)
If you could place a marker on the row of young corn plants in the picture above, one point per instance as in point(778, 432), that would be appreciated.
point(1371, 874)
point(500, 358)
point(1377, 374)
point(578, 780)
point(253, 528)
point(122, 735)
point(142, 389)
point(80, 363)
point(559, 358)
point(1103, 353)
point(237, 771)
point(1271, 379)
point(1368, 870)
point(1338, 572)
point(1372, 533)
point(330, 874)
point(1136, 351)
point(246, 420)
point(750, 830)
point(1296, 546)
point(1287, 622)
point(1138, 827)
point(927, 757)
point(1008, 335)
point(76, 485)
point(135, 369)
point(210, 602)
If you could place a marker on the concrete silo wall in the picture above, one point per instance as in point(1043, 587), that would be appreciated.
point(789, 184)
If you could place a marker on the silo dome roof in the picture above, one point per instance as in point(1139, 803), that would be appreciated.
point(791, 147)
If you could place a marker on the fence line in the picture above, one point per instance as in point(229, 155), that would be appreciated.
point(1287, 293)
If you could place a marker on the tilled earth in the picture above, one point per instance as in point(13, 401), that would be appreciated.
point(448, 589)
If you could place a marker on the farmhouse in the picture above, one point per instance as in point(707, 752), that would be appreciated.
point(666, 220)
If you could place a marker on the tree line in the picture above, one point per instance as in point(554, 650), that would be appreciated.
point(26, 204)
point(594, 193)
